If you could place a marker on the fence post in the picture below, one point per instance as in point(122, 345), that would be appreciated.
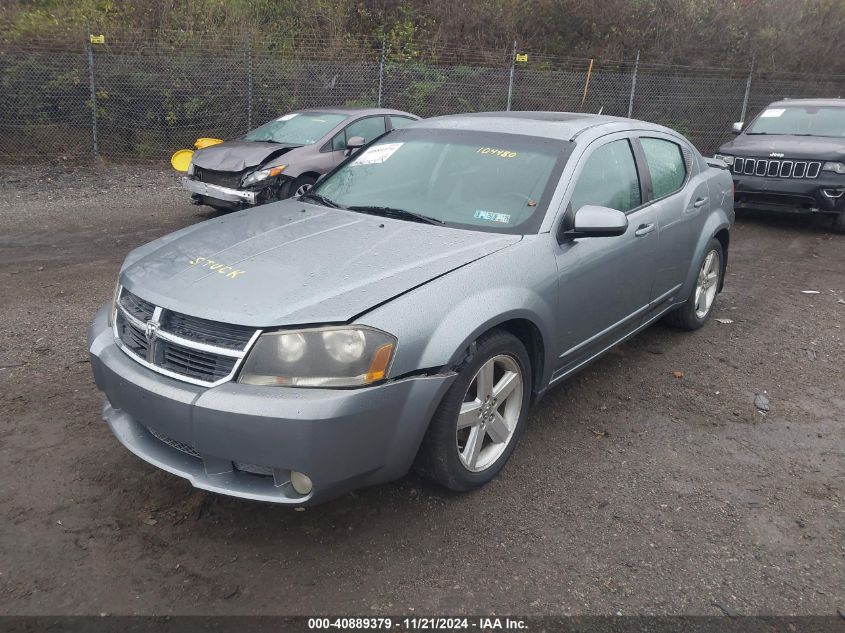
point(747, 92)
point(381, 69)
point(249, 83)
point(93, 99)
point(510, 79)
point(633, 85)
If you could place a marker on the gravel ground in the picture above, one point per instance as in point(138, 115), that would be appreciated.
point(636, 488)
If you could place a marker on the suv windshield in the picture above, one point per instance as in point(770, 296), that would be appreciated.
point(801, 121)
point(296, 128)
point(478, 180)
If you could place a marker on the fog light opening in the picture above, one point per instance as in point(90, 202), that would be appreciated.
point(833, 193)
point(301, 482)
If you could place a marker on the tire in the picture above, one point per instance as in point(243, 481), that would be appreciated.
point(692, 315)
point(839, 223)
point(300, 186)
point(446, 455)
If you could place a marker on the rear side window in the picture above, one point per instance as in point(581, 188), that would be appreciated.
point(666, 165)
point(609, 179)
point(400, 121)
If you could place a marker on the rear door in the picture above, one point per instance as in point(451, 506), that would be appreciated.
point(605, 282)
point(680, 196)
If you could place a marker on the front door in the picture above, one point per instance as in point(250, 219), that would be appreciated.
point(605, 282)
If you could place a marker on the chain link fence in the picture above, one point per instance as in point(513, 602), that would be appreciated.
point(134, 100)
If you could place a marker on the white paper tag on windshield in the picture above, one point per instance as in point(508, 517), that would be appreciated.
point(377, 154)
point(773, 113)
point(287, 117)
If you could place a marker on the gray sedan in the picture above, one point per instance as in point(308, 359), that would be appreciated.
point(285, 156)
point(408, 309)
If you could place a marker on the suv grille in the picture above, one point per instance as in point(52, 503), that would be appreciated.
point(188, 348)
point(230, 179)
point(776, 168)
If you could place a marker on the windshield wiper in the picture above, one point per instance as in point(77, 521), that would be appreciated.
point(399, 214)
point(320, 199)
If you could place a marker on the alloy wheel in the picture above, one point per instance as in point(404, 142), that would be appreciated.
point(707, 284)
point(303, 189)
point(489, 413)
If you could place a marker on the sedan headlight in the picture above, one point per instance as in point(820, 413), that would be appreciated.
point(839, 168)
point(728, 159)
point(343, 356)
point(262, 174)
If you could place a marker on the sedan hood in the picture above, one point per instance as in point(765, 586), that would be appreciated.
point(238, 155)
point(763, 145)
point(291, 263)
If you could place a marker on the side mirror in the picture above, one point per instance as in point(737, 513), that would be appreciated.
point(354, 144)
point(736, 128)
point(594, 221)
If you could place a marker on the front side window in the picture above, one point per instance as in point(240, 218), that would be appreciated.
point(296, 128)
point(665, 164)
point(800, 121)
point(479, 180)
point(609, 179)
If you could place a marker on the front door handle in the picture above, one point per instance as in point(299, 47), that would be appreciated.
point(644, 229)
point(700, 203)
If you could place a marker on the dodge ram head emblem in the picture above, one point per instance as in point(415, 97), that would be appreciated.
point(776, 155)
point(151, 329)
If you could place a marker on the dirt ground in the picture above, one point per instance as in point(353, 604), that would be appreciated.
point(633, 491)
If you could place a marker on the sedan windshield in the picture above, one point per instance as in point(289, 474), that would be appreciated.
point(478, 180)
point(296, 128)
point(801, 121)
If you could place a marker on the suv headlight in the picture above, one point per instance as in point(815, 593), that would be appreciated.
point(342, 356)
point(728, 159)
point(114, 298)
point(839, 168)
point(262, 174)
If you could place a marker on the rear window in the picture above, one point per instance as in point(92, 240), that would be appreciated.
point(800, 121)
point(665, 164)
point(296, 128)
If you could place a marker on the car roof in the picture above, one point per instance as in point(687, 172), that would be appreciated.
point(812, 103)
point(565, 126)
point(356, 111)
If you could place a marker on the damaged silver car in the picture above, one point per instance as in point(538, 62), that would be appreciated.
point(285, 156)
point(408, 309)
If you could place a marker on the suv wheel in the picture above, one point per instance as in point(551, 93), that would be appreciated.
point(475, 428)
point(698, 306)
point(839, 222)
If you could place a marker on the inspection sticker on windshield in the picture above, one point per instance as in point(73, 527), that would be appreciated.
point(377, 154)
point(773, 113)
point(287, 117)
point(502, 218)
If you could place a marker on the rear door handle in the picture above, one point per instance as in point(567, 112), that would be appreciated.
point(644, 229)
point(700, 203)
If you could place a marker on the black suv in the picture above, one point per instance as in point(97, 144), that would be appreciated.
point(791, 157)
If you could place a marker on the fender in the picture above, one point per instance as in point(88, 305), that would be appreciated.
point(716, 221)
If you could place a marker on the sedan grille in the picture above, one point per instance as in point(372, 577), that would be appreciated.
point(230, 179)
point(185, 347)
point(776, 168)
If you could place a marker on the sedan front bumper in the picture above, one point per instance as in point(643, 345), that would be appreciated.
point(220, 193)
point(244, 440)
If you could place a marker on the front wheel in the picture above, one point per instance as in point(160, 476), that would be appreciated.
point(698, 306)
point(839, 223)
point(481, 417)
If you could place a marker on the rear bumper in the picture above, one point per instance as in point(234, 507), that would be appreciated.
point(825, 194)
point(217, 438)
point(219, 193)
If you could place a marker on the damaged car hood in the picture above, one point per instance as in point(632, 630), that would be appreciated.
point(238, 155)
point(291, 263)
